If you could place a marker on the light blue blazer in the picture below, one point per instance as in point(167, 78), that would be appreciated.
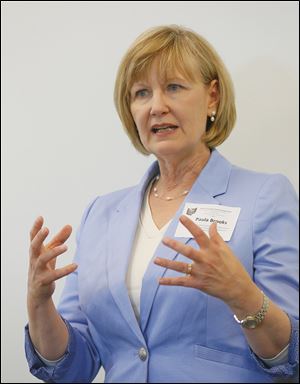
point(187, 335)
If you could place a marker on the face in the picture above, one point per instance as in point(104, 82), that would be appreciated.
point(171, 114)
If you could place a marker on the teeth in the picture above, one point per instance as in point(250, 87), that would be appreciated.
point(168, 128)
point(164, 129)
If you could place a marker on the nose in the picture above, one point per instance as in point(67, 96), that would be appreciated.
point(159, 104)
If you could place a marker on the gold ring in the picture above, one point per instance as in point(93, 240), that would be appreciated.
point(189, 269)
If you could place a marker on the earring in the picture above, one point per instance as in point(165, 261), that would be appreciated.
point(212, 117)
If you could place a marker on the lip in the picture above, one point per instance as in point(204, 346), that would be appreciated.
point(162, 125)
point(163, 133)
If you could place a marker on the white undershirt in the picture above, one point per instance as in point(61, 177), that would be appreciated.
point(147, 238)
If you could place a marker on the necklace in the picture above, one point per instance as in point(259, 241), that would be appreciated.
point(167, 198)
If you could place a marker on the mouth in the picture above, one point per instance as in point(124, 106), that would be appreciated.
point(164, 128)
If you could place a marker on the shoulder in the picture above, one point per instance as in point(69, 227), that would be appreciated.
point(244, 181)
point(97, 213)
point(102, 207)
point(260, 182)
point(109, 201)
point(256, 192)
point(262, 195)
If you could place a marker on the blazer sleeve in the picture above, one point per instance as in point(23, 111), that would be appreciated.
point(276, 259)
point(81, 361)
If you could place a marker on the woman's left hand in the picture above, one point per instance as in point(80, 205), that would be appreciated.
point(215, 269)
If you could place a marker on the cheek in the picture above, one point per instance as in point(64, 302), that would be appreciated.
point(137, 118)
point(199, 119)
point(140, 119)
point(133, 113)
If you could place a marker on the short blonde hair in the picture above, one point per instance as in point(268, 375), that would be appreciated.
point(177, 48)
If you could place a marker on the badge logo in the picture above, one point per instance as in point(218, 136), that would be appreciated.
point(191, 211)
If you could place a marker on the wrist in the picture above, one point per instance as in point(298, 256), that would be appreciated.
point(248, 301)
point(254, 320)
point(34, 303)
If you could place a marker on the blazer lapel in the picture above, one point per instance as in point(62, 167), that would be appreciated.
point(212, 181)
point(121, 234)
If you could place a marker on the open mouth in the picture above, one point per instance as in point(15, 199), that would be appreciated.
point(167, 128)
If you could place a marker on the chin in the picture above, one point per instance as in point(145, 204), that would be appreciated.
point(166, 149)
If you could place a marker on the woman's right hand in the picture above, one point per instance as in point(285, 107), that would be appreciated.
point(42, 273)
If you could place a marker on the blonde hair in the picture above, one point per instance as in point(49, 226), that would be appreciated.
point(177, 48)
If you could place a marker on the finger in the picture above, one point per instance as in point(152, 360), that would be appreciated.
point(199, 235)
point(182, 281)
point(214, 234)
point(59, 273)
point(181, 248)
point(178, 266)
point(52, 254)
point(37, 225)
point(60, 237)
point(37, 242)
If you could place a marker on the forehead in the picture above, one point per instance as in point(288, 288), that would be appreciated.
point(160, 78)
point(166, 70)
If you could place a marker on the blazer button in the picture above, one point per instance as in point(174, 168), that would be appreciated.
point(143, 354)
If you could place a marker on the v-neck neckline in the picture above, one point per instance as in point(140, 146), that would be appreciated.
point(146, 219)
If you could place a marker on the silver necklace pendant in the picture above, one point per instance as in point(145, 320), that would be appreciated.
point(167, 198)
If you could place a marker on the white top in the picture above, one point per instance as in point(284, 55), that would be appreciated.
point(147, 238)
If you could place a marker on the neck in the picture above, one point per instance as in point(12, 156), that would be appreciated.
point(181, 173)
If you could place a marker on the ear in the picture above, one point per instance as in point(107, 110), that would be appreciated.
point(213, 96)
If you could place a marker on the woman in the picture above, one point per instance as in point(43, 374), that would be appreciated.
point(189, 276)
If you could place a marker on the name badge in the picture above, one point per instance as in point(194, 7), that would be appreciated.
point(205, 214)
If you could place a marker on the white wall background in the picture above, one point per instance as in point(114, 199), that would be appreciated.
point(62, 142)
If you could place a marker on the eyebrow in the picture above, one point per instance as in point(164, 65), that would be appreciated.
point(142, 84)
point(176, 79)
point(137, 84)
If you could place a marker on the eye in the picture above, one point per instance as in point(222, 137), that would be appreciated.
point(141, 93)
point(174, 87)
